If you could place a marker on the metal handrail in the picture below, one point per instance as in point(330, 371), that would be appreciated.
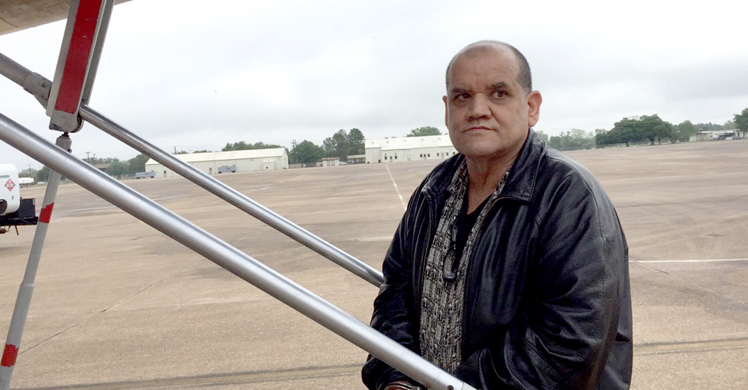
point(236, 198)
point(230, 258)
point(39, 86)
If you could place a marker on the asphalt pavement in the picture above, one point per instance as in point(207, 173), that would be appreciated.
point(118, 305)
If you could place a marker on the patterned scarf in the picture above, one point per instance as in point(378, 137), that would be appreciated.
point(442, 300)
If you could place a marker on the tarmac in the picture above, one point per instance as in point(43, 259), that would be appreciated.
point(118, 305)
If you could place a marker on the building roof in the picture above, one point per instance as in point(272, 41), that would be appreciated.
point(232, 155)
point(431, 141)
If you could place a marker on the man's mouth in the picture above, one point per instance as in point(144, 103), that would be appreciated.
point(478, 128)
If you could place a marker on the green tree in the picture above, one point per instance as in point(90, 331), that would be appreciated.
point(542, 135)
point(685, 130)
point(117, 169)
point(306, 152)
point(43, 174)
point(574, 139)
point(708, 126)
point(624, 131)
point(646, 127)
point(356, 141)
point(601, 138)
point(741, 122)
point(653, 128)
point(424, 131)
point(137, 164)
point(342, 147)
point(241, 145)
point(329, 146)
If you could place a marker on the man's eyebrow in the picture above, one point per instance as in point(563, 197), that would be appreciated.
point(499, 85)
point(457, 91)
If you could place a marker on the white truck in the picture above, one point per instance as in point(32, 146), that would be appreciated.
point(143, 175)
point(26, 181)
point(14, 210)
point(227, 168)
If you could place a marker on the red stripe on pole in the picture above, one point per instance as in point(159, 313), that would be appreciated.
point(46, 213)
point(9, 355)
point(79, 52)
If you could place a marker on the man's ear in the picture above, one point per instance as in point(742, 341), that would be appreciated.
point(444, 99)
point(534, 100)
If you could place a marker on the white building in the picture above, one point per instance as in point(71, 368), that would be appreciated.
point(329, 162)
point(715, 135)
point(243, 160)
point(433, 147)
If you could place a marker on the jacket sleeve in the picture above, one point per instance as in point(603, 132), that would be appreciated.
point(568, 319)
point(394, 312)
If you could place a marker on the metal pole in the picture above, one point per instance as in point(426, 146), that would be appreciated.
point(39, 87)
point(14, 71)
point(25, 292)
point(236, 198)
point(230, 258)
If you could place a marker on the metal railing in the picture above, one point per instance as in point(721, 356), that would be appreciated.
point(212, 247)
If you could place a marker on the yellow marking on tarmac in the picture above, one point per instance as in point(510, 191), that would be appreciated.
point(690, 261)
point(219, 379)
point(691, 346)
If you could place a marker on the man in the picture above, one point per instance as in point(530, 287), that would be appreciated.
point(509, 268)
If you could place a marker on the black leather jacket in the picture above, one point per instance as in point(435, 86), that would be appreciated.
point(547, 302)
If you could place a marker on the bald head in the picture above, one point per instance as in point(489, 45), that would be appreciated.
point(524, 77)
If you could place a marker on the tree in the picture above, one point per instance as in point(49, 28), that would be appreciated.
point(741, 122)
point(646, 127)
point(137, 164)
point(542, 135)
point(685, 130)
point(241, 145)
point(601, 138)
point(42, 175)
point(342, 147)
point(574, 139)
point(708, 126)
point(116, 169)
point(306, 152)
point(329, 146)
point(654, 128)
point(424, 131)
point(623, 132)
point(356, 141)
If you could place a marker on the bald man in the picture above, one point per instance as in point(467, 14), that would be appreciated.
point(509, 268)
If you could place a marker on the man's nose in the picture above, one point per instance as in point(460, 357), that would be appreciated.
point(479, 107)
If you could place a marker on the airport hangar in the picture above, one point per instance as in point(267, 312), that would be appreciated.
point(242, 160)
point(388, 150)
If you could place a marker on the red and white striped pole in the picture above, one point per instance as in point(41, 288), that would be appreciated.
point(21, 310)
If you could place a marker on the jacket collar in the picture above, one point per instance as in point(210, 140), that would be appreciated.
point(521, 182)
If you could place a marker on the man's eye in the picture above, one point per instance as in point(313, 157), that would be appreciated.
point(462, 96)
point(499, 94)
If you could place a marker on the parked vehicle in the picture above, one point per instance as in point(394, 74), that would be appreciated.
point(14, 210)
point(227, 168)
point(143, 175)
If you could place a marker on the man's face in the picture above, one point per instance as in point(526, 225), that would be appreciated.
point(487, 112)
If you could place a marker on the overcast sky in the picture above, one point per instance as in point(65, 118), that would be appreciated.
point(195, 75)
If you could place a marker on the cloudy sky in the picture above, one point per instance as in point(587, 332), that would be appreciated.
point(195, 75)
